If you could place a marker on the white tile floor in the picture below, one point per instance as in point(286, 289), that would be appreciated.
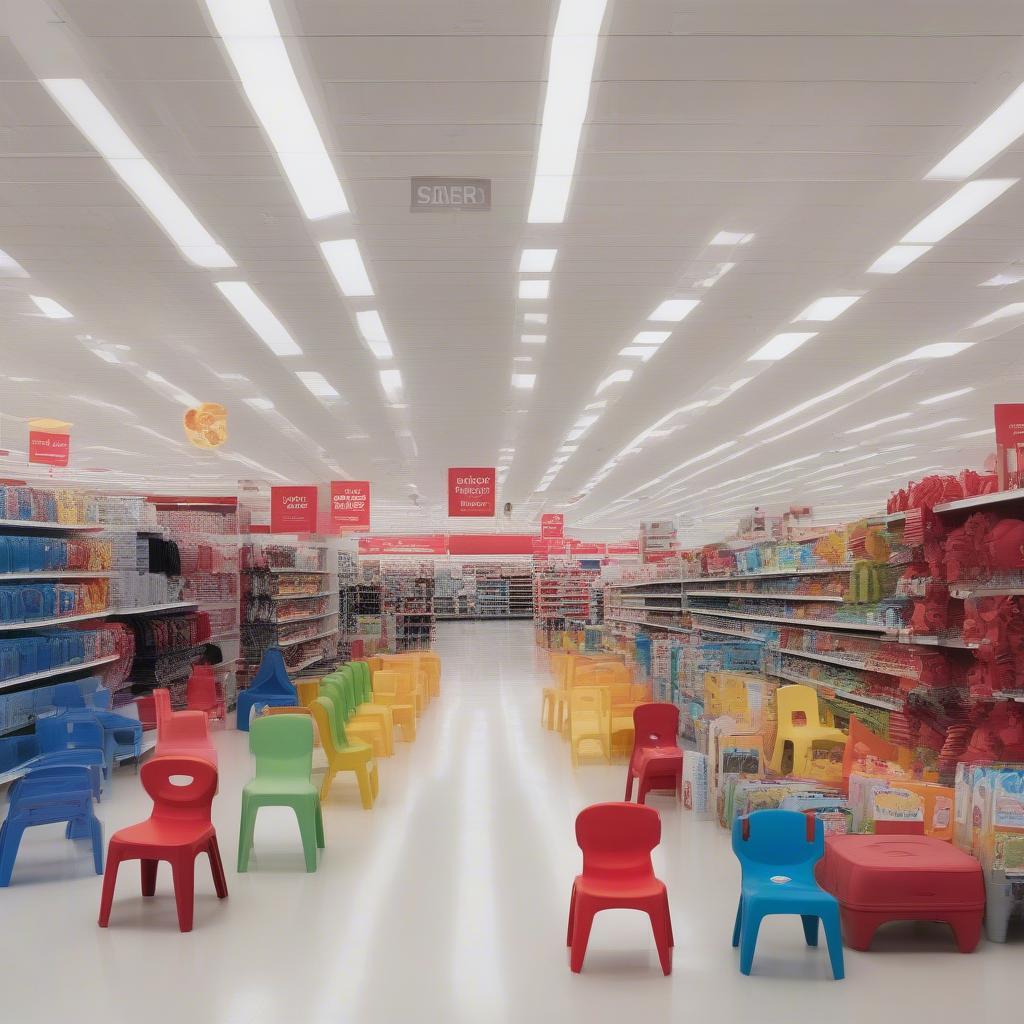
point(446, 903)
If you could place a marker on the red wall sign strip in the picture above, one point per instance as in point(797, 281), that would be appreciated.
point(490, 543)
point(48, 449)
point(293, 509)
point(428, 544)
point(471, 491)
point(350, 504)
point(552, 524)
point(1009, 444)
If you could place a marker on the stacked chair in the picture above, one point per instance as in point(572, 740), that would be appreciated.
point(182, 733)
point(270, 687)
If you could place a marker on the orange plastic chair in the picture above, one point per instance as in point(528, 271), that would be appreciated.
point(343, 756)
point(799, 727)
point(589, 720)
point(178, 830)
point(410, 682)
point(387, 691)
point(616, 840)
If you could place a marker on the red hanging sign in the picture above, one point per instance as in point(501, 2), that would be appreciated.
point(350, 504)
point(427, 544)
point(48, 449)
point(471, 492)
point(1009, 445)
point(552, 525)
point(293, 509)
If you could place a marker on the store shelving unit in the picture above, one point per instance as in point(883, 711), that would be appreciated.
point(561, 600)
point(479, 589)
point(407, 603)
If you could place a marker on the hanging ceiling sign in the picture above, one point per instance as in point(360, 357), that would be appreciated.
point(552, 525)
point(441, 194)
point(1009, 445)
point(293, 509)
point(471, 491)
point(350, 504)
point(46, 448)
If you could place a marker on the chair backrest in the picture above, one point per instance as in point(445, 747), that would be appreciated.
point(162, 704)
point(775, 837)
point(656, 725)
point(201, 689)
point(350, 688)
point(362, 676)
point(63, 732)
point(617, 838)
point(323, 715)
point(589, 698)
point(172, 802)
point(385, 682)
point(797, 706)
point(282, 746)
point(68, 695)
point(332, 689)
point(272, 675)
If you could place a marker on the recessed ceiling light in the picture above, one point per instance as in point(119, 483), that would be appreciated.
point(534, 289)
point(893, 260)
point(522, 359)
point(966, 202)
point(537, 261)
point(254, 44)
point(10, 267)
point(570, 68)
point(781, 346)
point(674, 310)
point(263, 404)
point(940, 350)
point(616, 377)
point(711, 280)
point(945, 396)
point(372, 329)
point(105, 354)
point(391, 382)
point(828, 308)
point(1003, 313)
point(178, 394)
point(50, 308)
point(732, 238)
point(651, 337)
point(595, 405)
point(346, 264)
point(317, 384)
point(1005, 278)
point(259, 316)
point(1001, 128)
point(98, 125)
point(643, 352)
point(535, 318)
point(986, 432)
point(533, 339)
point(878, 423)
point(523, 380)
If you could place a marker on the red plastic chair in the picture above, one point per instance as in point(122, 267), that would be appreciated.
point(616, 840)
point(182, 733)
point(178, 830)
point(201, 693)
point(656, 761)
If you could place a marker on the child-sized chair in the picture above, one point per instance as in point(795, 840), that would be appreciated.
point(656, 761)
point(343, 756)
point(364, 707)
point(122, 736)
point(338, 690)
point(373, 723)
point(616, 840)
point(178, 830)
point(202, 694)
point(270, 685)
point(589, 720)
point(390, 689)
point(800, 729)
point(48, 796)
point(283, 747)
point(181, 733)
point(64, 740)
point(777, 851)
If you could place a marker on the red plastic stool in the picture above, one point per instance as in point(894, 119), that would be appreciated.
point(616, 840)
point(178, 830)
point(902, 878)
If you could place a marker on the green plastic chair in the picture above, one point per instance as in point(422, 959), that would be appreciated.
point(283, 747)
point(338, 690)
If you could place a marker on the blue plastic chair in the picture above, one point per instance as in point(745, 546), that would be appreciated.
point(122, 736)
point(47, 796)
point(270, 687)
point(68, 740)
point(777, 851)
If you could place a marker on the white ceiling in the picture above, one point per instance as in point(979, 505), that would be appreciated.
point(810, 125)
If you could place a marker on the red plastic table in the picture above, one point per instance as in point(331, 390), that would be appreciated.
point(902, 878)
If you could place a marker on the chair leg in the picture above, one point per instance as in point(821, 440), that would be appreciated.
point(9, 850)
point(319, 826)
point(739, 922)
point(306, 818)
point(748, 938)
point(97, 844)
point(834, 938)
point(629, 785)
point(325, 786)
point(184, 871)
point(810, 923)
point(668, 921)
point(148, 869)
point(220, 880)
point(967, 930)
point(585, 911)
point(109, 882)
point(246, 830)
point(375, 780)
point(365, 788)
point(662, 928)
point(572, 913)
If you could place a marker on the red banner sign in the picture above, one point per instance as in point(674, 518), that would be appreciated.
point(293, 509)
point(1009, 445)
point(552, 525)
point(350, 504)
point(427, 544)
point(629, 547)
point(471, 492)
point(48, 449)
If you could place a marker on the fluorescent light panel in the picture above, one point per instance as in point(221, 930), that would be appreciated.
point(643, 352)
point(571, 67)
point(317, 384)
point(537, 261)
point(732, 238)
point(346, 264)
point(525, 381)
point(535, 318)
point(945, 396)
point(651, 337)
point(878, 423)
point(254, 44)
point(781, 346)
point(534, 289)
point(1003, 313)
point(674, 310)
point(968, 201)
point(939, 350)
point(533, 339)
point(1001, 128)
point(616, 377)
point(828, 308)
point(371, 327)
point(391, 382)
point(893, 260)
point(259, 316)
point(98, 125)
point(50, 308)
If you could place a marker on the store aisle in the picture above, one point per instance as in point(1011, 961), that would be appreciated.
point(447, 902)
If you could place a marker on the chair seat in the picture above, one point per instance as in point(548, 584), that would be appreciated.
point(615, 889)
point(803, 891)
point(167, 833)
point(279, 787)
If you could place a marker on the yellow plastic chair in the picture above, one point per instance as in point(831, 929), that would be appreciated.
point(375, 663)
point(366, 730)
point(366, 710)
point(308, 690)
point(799, 727)
point(589, 720)
point(410, 681)
point(554, 705)
point(388, 693)
point(343, 756)
point(431, 664)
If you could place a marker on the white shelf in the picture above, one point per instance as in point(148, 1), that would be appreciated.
point(288, 622)
point(144, 528)
point(304, 572)
point(305, 639)
point(769, 597)
point(933, 641)
point(732, 632)
point(34, 524)
point(153, 609)
point(981, 501)
point(833, 660)
point(873, 702)
point(652, 625)
point(861, 627)
point(56, 574)
point(11, 627)
point(292, 597)
point(963, 592)
point(649, 583)
point(768, 574)
point(678, 595)
point(62, 670)
point(651, 608)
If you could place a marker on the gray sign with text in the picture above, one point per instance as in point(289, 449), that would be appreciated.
point(450, 194)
